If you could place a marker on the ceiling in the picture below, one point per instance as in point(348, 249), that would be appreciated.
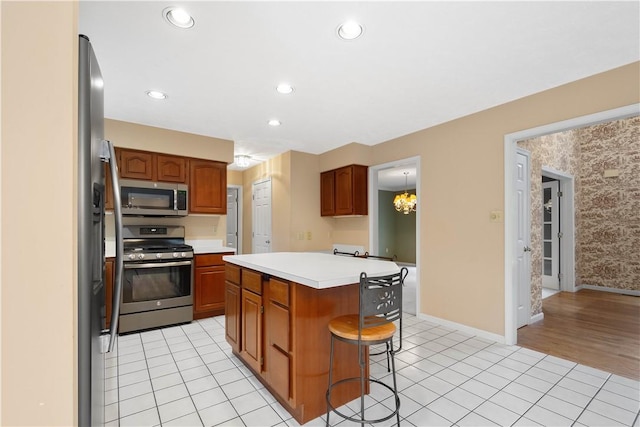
point(416, 65)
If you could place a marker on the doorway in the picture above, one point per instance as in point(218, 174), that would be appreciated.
point(390, 178)
point(511, 220)
point(234, 218)
point(261, 216)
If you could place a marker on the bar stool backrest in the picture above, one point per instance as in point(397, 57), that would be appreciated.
point(381, 299)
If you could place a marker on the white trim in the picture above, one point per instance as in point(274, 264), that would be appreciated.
point(510, 140)
point(373, 212)
point(462, 328)
point(567, 223)
point(240, 219)
point(536, 318)
point(527, 214)
point(630, 292)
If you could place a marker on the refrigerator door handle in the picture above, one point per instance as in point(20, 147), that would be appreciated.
point(119, 267)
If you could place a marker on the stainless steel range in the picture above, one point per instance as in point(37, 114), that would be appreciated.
point(157, 284)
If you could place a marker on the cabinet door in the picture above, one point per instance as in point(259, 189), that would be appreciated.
point(136, 164)
point(327, 193)
point(208, 291)
point(351, 190)
point(344, 191)
point(279, 370)
point(232, 315)
point(207, 187)
point(108, 286)
point(251, 333)
point(171, 168)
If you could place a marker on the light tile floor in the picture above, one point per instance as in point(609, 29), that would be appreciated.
point(187, 376)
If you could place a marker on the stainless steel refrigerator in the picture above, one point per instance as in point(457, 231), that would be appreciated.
point(94, 340)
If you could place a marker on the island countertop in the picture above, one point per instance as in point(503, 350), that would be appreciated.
point(316, 270)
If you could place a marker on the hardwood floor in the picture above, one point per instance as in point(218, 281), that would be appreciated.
point(598, 329)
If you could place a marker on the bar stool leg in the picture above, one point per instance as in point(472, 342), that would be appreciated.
point(395, 385)
point(360, 357)
point(330, 379)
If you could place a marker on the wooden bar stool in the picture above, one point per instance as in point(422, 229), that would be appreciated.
point(380, 305)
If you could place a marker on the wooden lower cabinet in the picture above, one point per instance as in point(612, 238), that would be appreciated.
point(285, 341)
point(208, 286)
point(232, 315)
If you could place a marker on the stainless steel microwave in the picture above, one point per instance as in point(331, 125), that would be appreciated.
point(148, 198)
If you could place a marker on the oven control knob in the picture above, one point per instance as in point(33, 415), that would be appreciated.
point(140, 256)
point(183, 255)
point(158, 255)
point(175, 254)
point(132, 256)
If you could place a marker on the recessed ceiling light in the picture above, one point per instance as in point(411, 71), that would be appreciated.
point(242, 160)
point(156, 94)
point(350, 30)
point(274, 122)
point(178, 17)
point(284, 88)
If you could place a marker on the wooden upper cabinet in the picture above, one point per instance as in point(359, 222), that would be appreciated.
point(207, 187)
point(327, 193)
point(135, 164)
point(349, 191)
point(149, 166)
point(171, 168)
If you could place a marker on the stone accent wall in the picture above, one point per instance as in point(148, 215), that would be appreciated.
point(607, 208)
point(610, 206)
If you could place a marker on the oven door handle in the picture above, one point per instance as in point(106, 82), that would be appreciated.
point(132, 266)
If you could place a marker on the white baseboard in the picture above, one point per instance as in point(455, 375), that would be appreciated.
point(463, 328)
point(536, 318)
point(613, 290)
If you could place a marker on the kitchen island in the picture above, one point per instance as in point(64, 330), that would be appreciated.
point(277, 308)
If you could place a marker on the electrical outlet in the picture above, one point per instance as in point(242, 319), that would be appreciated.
point(300, 235)
point(308, 235)
point(495, 216)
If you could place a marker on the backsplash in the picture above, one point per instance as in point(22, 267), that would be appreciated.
point(607, 209)
point(195, 226)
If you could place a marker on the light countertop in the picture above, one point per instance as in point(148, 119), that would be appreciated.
point(316, 270)
point(208, 246)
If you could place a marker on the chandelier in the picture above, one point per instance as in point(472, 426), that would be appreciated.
point(404, 202)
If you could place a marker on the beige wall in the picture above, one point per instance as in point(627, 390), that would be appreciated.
point(141, 137)
point(39, 138)
point(462, 180)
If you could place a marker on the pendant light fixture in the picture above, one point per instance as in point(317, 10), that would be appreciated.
point(404, 202)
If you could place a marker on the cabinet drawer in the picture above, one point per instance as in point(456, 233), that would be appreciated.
point(252, 281)
point(206, 260)
point(232, 273)
point(279, 292)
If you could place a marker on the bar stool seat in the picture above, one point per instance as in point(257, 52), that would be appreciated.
point(346, 327)
point(380, 306)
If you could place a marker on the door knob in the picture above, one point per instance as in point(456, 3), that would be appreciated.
point(527, 249)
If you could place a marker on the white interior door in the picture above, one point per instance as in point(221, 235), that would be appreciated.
point(550, 235)
point(523, 257)
point(261, 208)
point(232, 218)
